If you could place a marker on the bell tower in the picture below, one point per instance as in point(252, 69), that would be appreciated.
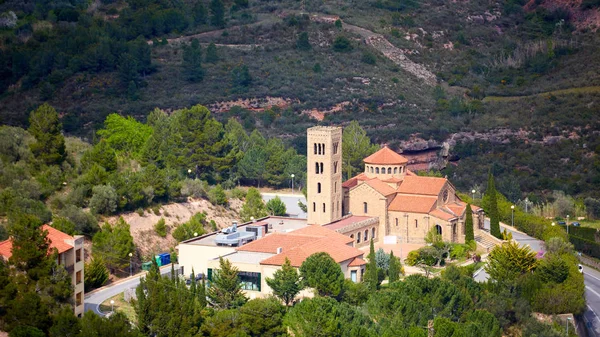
point(324, 174)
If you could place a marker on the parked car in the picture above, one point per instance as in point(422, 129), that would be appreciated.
point(576, 224)
point(580, 267)
point(562, 223)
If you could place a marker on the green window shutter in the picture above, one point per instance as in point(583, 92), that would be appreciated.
point(259, 282)
point(209, 274)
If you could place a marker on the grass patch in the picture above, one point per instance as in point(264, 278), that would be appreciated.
point(120, 306)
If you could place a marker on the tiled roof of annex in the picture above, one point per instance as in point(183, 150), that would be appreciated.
point(57, 240)
point(346, 221)
point(413, 203)
point(300, 244)
point(385, 156)
point(422, 185)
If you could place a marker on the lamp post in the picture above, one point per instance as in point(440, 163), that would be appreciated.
point(553, 224)
point(112, 306)
point(512, 217)
point(292, 175)
point(567, 224)
point(130, 268)
point(473, 194)
point(526, 204)
point(568, 323)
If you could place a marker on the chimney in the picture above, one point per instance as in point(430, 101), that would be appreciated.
point(279, 250)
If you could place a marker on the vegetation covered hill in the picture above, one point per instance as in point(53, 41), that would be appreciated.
point(506, 65)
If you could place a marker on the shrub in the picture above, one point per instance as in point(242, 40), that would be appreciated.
point(104, 199)
point(161, 228)
point(368, 58)
point(156, 209)
point(217, 196)
point(412, 258)
point(342, 44)
point(238, 193)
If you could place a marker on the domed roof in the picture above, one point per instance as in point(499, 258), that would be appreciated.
point(385, 156)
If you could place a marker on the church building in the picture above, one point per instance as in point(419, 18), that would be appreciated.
point(386, 200)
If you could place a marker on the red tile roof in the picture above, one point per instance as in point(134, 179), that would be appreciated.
point(339, 253)
point(441, 215)
point(323, 231)
point(385, 156)
point(346, 222)
point(412, 203)
point(381, 187)
point(355, 180)
point(422, 185)
point(56, 238)
point(357, 262)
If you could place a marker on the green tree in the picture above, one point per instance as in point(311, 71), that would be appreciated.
point(395, 268)
point(95, 273)
point(240, 77)
point(113, 243)
point(101, 154)
point(552, 269)
point(508, 261)
point(302, 43)
point(192, 62)
point(211, 53)
point(253, 207)
point(123, 134)
point(128, 70)
point(160, 228)
point(217, 196)
point(116, 325)
point(104, 199)
point(286, 283)
point(225, 290)
point(320, 272)
point(342, 44)
point(63, 224)
point(254, 164)
point(469, 231)
point(192, 228)
point(356, 146)
point(276, 207)
point(217, 11)
point(199, 13)
point(45, 126)
point(371, 277)
point(491, 201)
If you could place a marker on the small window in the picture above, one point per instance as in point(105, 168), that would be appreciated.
point(396, 222)
point(323, 207)
point(78, 299)
point(319, 148)
point(373, 233)
point(314, 207)
point(352, 236)
point(335, 167)
point(377, 170)
point(78, 255)
point(321, 171)
point(318, 187)
point(366, 234)
point(317, 168)
point(335, 147)
point(416, 223)
point(358, 237)
point(78, 277)
point(365, 208)
point(371, 169)
point(395, 170)
point(323, 148)
point(315, 148)
point(389, 170)
point(335, 187)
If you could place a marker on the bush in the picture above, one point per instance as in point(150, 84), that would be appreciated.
point(276, 207)
point(161, 228)
point(217, 196)
point(342, 44)
point(194, 188)
point(238, 193)
point(412, 258)
point(104, 199)
point(368, 58)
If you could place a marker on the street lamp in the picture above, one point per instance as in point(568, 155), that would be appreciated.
point(553, 224)
point(526, 204)
point(567, 224)
point(568, 323)
point(112, 306)
point(473, 194)
point(292, 175)
point(512, 218)
point(130, 272)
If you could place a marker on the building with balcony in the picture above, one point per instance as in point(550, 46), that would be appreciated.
point(70, 255)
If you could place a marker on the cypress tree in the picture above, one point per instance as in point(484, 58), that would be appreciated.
point(371, 275)
point(394, 270)
point(469, 234)
point(493, 207)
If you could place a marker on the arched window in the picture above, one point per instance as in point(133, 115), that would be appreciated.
point(396, 222)
point(358, 237)
point(395, 170)
point(365, 207)
point(319, 148)
point(389, 170)
point(314, 207)
point(323, 207)
point(373, 233)
point(377, 170)
point(318, 187)
point(366, 234)
point(315, 148)
point(371, 169)
point(438, 229)
point(321, 167)
point(335, 167)
point(323, 148)
point(416, 223)
point(335, 186)
point(352, 236)
point(317, 168)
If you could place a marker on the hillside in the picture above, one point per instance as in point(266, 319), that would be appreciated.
point(428, 72)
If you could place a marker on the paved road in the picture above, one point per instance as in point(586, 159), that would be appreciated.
point(93, 300)
point(291, 203)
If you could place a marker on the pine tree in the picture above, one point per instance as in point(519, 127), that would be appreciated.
point(45, 126)
point(469, 234)
point(395, 266)
point(371, 277)
point(217, 11)
point(211, 53)
point(225, 291)
point(492, 201)
point(192, 62)
point(254, 206)
point(302, 43)
point(285, 282)
point(95, 273)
